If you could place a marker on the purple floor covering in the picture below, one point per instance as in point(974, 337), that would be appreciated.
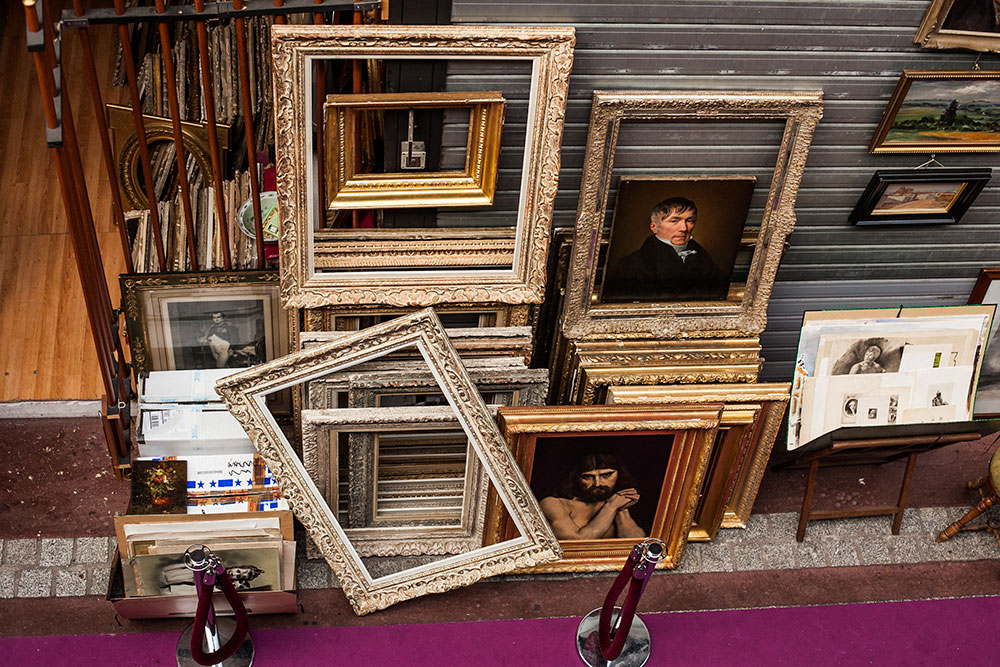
point(958, 631)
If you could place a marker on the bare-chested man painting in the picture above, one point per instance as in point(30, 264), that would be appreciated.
point(593, 501)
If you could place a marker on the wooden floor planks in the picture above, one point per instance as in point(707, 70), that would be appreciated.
point(47, 351)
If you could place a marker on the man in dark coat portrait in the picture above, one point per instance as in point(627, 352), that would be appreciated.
point(669, 265)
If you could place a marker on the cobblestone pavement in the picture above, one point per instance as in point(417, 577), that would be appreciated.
point(62, 567)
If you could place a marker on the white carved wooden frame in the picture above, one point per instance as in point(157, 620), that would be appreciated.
point(416, 538)
point(244, 394)
point(295, 48)
point(582, 317)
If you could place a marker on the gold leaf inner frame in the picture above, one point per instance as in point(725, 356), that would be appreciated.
point(747, 317)
point(296, 48)
point(244, 394)
point(751, 416)
point(693, 428)
point(404, 539)
point(475, 185)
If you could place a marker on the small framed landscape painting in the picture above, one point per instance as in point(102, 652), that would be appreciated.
point(919, 196)
point(938, 111)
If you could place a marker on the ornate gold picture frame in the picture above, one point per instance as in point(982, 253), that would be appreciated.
point(475, 185)
point(244, 394)
point(751, 416)
point(662, 452)
point(548, 51)
point(584, 313)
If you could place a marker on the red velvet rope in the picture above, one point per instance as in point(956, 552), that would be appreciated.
point(208, 580)
point(611, 648)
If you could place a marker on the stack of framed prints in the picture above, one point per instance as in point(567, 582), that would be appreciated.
point(258, 551)
point(673, 257)
point(886, 366)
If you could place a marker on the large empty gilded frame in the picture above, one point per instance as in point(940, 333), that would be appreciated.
point(434, 507)
point(244, 394)
point(475, 185)
point(584, 314)
point(751, 416)
point(429, 277)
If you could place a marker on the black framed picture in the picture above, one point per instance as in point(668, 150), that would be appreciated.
point(931, 196)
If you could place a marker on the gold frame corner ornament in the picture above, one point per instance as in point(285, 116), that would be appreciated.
point(244, 394)
point(801, 111)
point(548, 49)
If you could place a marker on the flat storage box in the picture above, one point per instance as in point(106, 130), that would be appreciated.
point(196, 386)
point(165, 606)
point(183, 430)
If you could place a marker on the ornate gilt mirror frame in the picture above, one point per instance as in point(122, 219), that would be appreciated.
point(751, 416)
point(245, 393)
point(295, 48)
point(582, 315)
point(684, 433)
point(475, 185)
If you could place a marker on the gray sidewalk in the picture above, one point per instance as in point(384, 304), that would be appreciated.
point(63, 567)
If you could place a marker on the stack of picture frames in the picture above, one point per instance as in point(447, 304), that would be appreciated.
point(669, 272)
point(420, 195)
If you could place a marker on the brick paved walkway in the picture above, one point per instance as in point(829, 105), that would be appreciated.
point(62, 567)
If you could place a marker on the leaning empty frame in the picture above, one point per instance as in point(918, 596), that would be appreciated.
point(548, 51)
point(244, 394)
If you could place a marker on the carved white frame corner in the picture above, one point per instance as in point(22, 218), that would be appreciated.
point(245, 392)
point(581, 317)
point(550, 52)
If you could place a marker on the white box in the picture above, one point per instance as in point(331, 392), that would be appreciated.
point(183, 430)
point(196, 386)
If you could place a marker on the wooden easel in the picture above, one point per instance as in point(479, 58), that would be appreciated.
point(868, 445)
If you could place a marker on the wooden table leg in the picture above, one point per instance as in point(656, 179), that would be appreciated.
point(800, 534)
point(897, 521)
point(953, 529)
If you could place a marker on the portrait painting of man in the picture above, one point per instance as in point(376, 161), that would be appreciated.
point(675, 239)
point(596, 487)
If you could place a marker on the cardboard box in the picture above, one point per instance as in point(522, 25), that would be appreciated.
point(185, 430)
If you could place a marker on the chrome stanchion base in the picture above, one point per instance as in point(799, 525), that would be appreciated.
point(226, 627)
point(635, 653)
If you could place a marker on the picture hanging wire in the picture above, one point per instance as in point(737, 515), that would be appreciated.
point(975, 65)
point(932, 162)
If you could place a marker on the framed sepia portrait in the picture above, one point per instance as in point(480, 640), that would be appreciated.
point(987, 291)
point(368, 586)
point(609, 476)
point(188, 321)
point(467, 237)
point(941, 111)
point(960, 24)
point(720, 233)
point(675, 239)
point(936, 196)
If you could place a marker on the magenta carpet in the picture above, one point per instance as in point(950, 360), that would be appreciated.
point(929, 632)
